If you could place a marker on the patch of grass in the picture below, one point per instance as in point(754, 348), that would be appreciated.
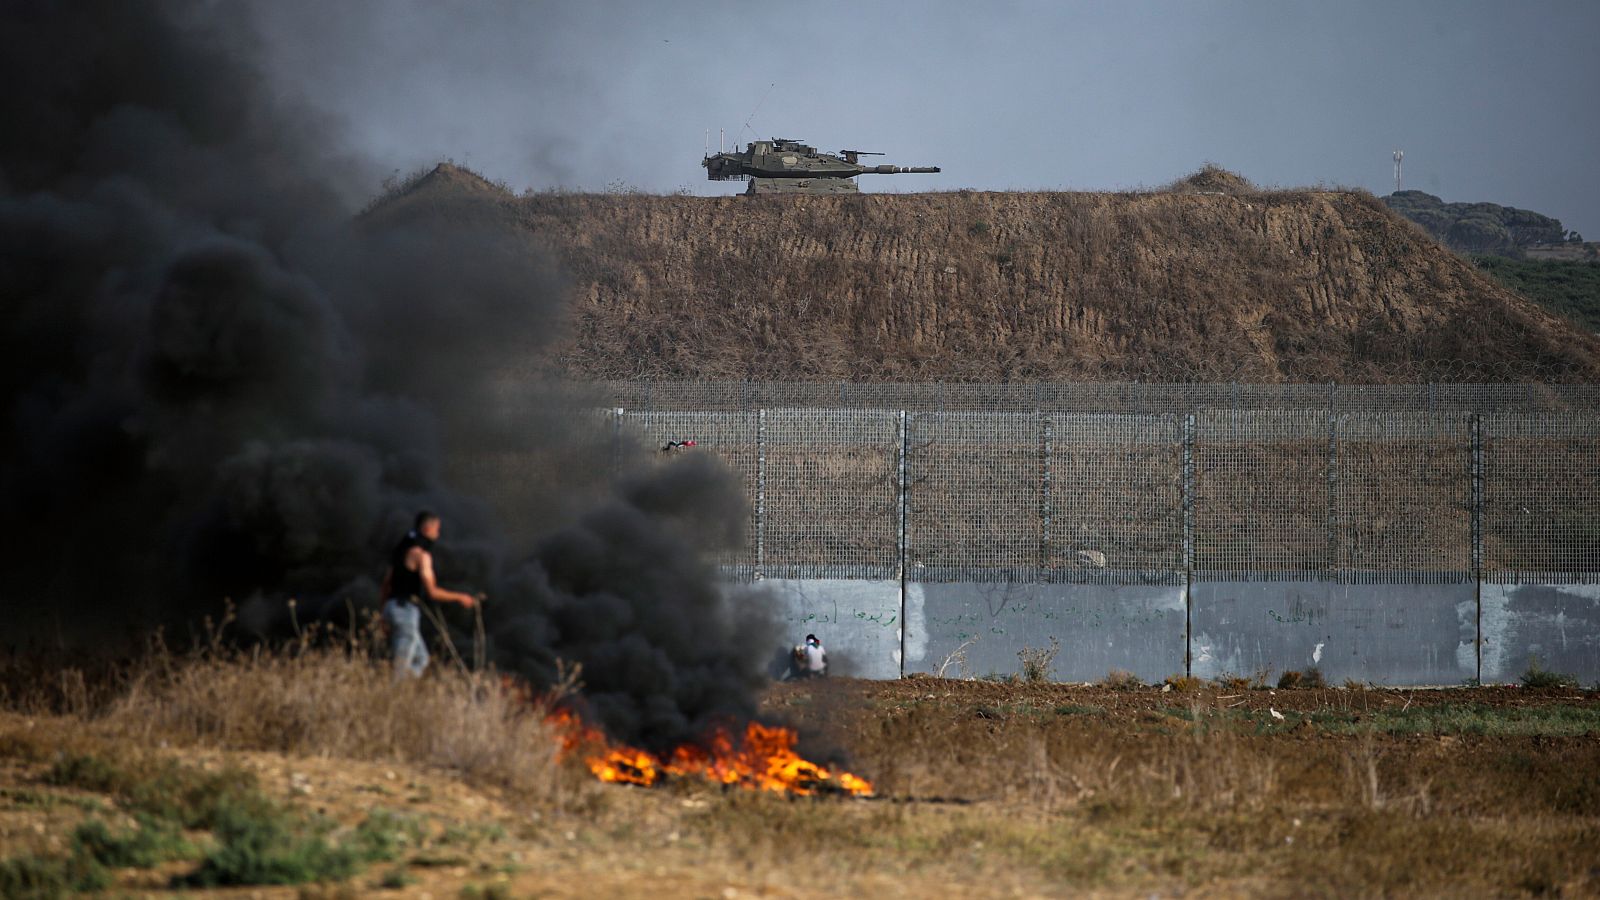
point(86, 771)
point(148, 844)
point(48, 877)
point(257, 840)
point(1184, 683)
point(486, 892)
point(284, 849)
point(1121, 680)
point(1238, 682)
point(1557, 720)
point(165, 790)
point(1310, 678)
point(472, 834)
point(337, 702)
point(25, 797)
point(435, 860)
point(382, 835)
point(396, 878)
point(1075, 709)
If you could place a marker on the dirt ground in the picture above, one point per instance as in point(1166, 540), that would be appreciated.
point(984, 789)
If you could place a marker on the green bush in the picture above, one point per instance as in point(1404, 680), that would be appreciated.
point(85, 771)
point(271, 849)
point(151, 843)
point(29, 877)
point(1537, 677)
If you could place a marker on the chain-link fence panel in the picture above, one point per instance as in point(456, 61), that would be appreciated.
point(1541, 498)
point(976, 500)
point(730, 436)
point(1261, 491)
point(1115, 502)
point(1384, 494)
point(1402, 496)
point(831, 494)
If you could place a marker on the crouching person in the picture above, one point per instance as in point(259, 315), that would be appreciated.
point(408, 582)
point(810, 660)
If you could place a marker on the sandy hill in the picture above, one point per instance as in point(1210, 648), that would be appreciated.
point(1210, 278)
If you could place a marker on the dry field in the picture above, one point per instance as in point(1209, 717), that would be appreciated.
point(309, 774)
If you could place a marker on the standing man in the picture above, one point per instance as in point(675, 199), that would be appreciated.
point(406, 584)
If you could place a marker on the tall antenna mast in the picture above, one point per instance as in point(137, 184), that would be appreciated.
point(756, 110)
point(1398, 156)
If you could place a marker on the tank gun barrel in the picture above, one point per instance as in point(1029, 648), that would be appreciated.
point(900, 170)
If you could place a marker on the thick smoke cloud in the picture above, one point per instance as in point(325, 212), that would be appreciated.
point(221, 384)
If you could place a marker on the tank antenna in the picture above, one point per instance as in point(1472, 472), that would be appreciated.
point(757, 109)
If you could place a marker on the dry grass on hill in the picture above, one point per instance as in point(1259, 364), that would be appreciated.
point(1209, 277)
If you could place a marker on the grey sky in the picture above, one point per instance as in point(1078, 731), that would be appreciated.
point(1490, 101)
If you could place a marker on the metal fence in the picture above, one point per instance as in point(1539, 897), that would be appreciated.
point(1151, 484)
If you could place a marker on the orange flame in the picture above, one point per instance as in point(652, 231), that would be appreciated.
point(763, 760)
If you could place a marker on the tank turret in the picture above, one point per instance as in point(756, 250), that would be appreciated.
point(785, 166)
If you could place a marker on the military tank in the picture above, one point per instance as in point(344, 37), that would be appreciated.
point(785, 166)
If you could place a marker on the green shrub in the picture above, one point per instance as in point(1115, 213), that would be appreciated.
point(271, 849)
point(1541, 678)
point(85, 771)
point(29, 877)
point(149, 844)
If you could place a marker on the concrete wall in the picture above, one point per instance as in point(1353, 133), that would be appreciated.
point(1137, 628)
point(1558, 624)
point(1412, 634)
point(857, 621)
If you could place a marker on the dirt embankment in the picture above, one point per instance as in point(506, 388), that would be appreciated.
point(1234, 283)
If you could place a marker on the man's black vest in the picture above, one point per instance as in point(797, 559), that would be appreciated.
point(403, 582)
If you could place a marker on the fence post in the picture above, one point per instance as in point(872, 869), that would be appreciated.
point(1046, 497)
point(761, 494)
point(1475, 427)
point(616, 441)
point(1333, 493)
point(1186, 504)
point(902, 548)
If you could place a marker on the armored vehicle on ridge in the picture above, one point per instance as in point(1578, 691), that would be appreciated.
point(785, 166)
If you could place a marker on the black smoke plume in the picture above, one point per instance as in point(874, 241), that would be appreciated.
point(220, 383)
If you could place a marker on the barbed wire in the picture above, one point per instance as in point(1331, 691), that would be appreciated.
point(1129, 395)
